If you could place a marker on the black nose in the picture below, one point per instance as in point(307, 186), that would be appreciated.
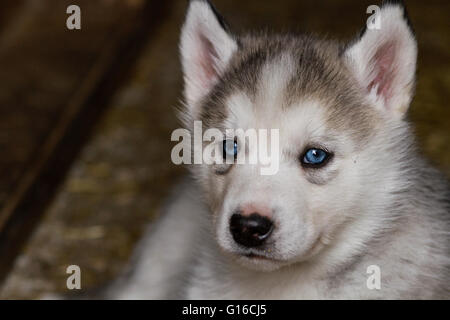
point(250, 231)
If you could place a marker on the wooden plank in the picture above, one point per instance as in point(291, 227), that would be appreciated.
point(48, 166)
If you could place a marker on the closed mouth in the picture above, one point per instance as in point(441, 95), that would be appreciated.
point(256, 256)
point(259, 257)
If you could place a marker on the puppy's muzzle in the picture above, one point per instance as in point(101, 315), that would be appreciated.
point(250, 231)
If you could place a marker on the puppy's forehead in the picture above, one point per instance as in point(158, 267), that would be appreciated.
point(262, 102)
point(271, 75)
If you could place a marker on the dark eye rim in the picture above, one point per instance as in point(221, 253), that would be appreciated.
point(328, 156)
point(223, 145)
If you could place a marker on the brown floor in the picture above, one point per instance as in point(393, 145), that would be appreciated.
point(117, 184)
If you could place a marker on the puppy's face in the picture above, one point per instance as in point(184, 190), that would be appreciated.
point(330, 111)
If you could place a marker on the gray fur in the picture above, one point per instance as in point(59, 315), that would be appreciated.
point(394, 212)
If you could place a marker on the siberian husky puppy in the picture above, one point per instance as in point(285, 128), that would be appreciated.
point(352, 212)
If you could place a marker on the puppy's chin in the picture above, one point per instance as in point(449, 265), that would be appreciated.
point(260, 263)
point(252, 260)
point(267, 264)
point(257, 261)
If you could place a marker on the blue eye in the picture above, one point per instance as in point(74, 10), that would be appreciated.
point(315, 157)
point(230, 149)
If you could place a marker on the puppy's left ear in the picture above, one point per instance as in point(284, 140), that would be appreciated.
point(206, 47)
point(383, 60)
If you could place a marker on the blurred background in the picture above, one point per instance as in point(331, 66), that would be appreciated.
point(86, 117)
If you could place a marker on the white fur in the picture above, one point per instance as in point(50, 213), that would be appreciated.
point(360, 55)
point(368, 206)
point(200, 30)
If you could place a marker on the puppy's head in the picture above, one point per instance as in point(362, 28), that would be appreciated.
point(340, 136)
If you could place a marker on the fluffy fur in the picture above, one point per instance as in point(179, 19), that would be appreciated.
point(376, 203)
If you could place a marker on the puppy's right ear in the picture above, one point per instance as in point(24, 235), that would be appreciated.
point(206, 48)
point(384, 61)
